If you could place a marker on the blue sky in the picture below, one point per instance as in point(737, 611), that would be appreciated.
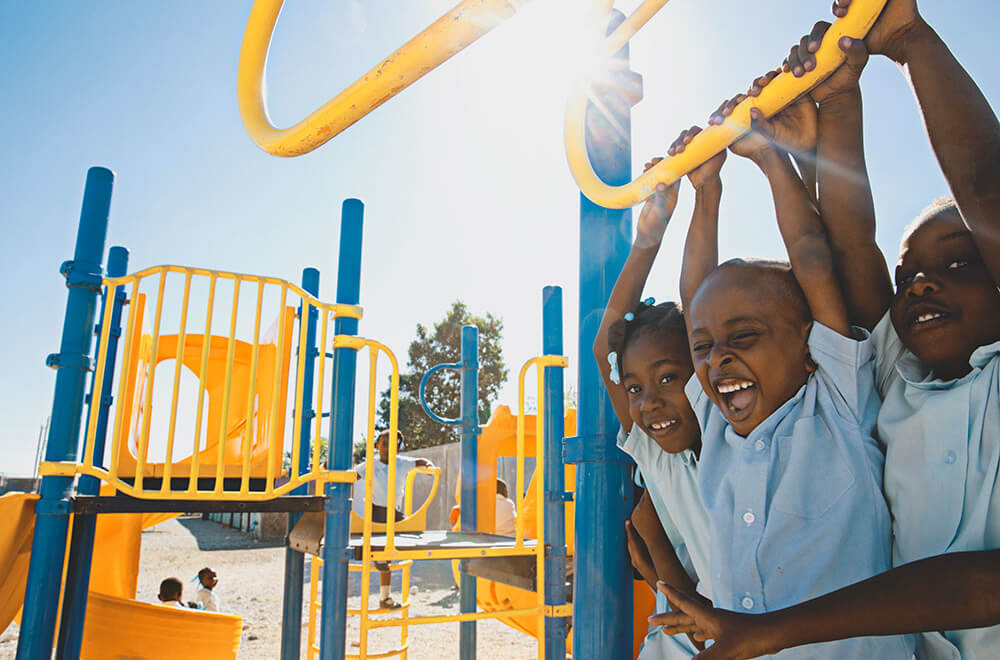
point(463, 175)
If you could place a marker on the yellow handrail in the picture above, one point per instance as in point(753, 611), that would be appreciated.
point(777, 95)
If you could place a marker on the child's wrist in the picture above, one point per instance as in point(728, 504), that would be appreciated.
point(710, 186)
point(913, 38)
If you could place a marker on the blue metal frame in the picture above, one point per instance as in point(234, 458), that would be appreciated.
point(556, 628)
point(83, 278)
point(468, 421)
point(333, 618)
point(291, 613)
point(81, 548)
point(602, 626)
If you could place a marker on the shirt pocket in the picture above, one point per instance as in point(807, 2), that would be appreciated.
point(813, 473)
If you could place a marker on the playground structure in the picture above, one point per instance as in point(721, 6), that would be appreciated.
point(237, 467)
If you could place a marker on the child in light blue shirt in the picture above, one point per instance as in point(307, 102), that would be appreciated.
point(790, 473)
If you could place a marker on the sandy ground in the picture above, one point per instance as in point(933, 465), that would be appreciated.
point(250, 585)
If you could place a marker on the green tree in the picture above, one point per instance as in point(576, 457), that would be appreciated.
point(439, 345)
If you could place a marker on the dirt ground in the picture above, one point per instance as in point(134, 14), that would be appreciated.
point(250, 579)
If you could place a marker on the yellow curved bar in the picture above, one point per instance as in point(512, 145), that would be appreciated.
point(448, 35)
point(777, 95)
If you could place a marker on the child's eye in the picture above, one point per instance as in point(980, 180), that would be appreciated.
point(958, 263)
point(902, 279)
point(633, 389)
point(667, 378)
point(701, 347)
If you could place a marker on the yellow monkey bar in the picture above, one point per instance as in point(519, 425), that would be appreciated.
point(467, 22)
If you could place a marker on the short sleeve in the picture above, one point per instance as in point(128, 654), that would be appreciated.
point(845, 363)
point(699, 401)
point(888, 352)
point(639, 446)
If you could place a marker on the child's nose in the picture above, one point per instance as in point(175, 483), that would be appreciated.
point(921, 285)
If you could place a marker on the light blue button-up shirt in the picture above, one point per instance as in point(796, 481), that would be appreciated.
point(796, 507)
point(942, 444)
point(672, 483)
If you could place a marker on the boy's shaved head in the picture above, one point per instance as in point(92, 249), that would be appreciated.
point(769, 281)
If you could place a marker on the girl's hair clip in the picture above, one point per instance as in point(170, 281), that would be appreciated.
point(613, 362)
point(628, 317)
point(649, 301)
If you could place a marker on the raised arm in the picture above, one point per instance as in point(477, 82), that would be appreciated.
point(948, 592)
point(963, 129)
point(845, 198)
point(701, 247)
point(628, 287)
point(800, 225)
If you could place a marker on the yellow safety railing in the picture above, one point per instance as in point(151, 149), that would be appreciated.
point(243, 380)
point(467, 22)
point(392, 553)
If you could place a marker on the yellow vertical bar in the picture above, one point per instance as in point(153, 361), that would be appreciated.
point(220, 467)
point(317, 460)
point(272, 439)
point(251, 391)
point(147, 408)
point(98, 386)
point(126, 360)
point(206, 347)
point(404, 629)
point(314, 565)
point(300, 371)
point(390, 502)
point(519, 459)
point(168, 465)
point(366, 541)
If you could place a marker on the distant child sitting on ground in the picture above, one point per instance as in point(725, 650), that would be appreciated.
point(506, 516)
point(790, 473)
point(206, 597)
point(171, 593)
point(642, 352)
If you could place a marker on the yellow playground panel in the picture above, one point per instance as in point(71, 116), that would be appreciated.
point(235, 447)
point(467, 22)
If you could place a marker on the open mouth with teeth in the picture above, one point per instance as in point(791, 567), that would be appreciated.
point(925, 317)
point(662, 427)
point(737, 396)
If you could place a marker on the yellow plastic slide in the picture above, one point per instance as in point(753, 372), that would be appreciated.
point(116, 626)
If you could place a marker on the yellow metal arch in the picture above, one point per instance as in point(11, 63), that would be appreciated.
point(464, 24)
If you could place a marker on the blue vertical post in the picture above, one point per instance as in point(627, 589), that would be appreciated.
point(555, 477)
point(81, 547)
point(333, 620)
point(469, 477)
point(83, 278)
point(291, 613)
point(602, 627)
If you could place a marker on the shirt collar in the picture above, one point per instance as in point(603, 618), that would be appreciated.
point(915, 373)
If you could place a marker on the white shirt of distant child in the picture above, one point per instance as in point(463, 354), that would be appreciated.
point(380, 477)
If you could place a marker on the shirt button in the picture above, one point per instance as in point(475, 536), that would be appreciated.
point(759, 445)
point(747, 603)
point(748, 517)
point(949, 457)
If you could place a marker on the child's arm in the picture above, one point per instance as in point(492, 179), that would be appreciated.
point(800, 225)
point(964, 131)
point(646, 524)
point(949, 592)
point(845, 199)
point(701, 247)
point(624, 298)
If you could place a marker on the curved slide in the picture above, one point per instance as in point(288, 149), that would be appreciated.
point(116, 626)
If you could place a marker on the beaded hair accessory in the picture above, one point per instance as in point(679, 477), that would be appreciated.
point(613, 363)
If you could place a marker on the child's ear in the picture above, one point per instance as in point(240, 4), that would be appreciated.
point(811, 365)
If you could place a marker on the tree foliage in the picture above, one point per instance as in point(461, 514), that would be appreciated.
point(443, 344)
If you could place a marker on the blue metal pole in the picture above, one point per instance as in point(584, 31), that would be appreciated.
point(83, 278)
point(602, 621)
point(333, 626)
point(81, 547)
point(291, 614)
point(555, 478)
point(469, 478)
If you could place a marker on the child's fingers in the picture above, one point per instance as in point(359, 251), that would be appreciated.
point(683, 140)
point(675, 622)
point(760, 83)
point(795, 62)
point(652, 163)
point(840, 7)
point(808, 61)
point(732, 103)
point(857, 52)
point(816, 36)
